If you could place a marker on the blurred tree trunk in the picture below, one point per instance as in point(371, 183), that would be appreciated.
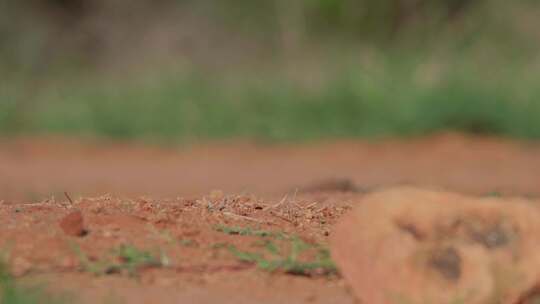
point(291, 25)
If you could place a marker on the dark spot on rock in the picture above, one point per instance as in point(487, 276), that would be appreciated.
point(447, 263)
point(491, 237)
point(411, 229)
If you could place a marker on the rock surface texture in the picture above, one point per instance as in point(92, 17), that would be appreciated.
point(407, 245)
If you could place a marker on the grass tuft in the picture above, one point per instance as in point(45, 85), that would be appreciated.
point(123, 259)
point(272, 259)
point(282, 252)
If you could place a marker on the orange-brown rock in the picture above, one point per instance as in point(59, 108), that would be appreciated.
point(407, 245)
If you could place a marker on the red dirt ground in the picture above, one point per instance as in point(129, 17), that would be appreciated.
point(322, 181)
point(34, 169)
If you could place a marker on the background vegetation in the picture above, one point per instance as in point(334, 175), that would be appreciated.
point(176, 71)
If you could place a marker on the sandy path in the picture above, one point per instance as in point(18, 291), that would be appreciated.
point(32, 169)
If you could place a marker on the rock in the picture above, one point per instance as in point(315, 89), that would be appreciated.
point(407, 245)
point(73, 224)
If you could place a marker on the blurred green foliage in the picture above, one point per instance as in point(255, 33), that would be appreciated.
point(11, 291)
point(276, 70)
point(356, 105)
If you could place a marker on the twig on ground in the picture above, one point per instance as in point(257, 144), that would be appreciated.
point(278, 204)
point(68, 197)
point(295, 193)
point(282, 217)
point(311, 205)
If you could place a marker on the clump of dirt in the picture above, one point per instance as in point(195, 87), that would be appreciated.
point(73, 224)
